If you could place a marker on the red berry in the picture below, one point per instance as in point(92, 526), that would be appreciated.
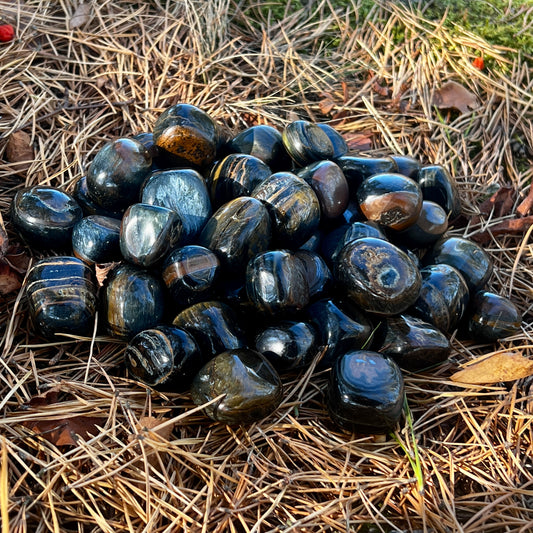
point(6, 33)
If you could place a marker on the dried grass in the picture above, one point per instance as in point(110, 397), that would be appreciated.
point(73, 90)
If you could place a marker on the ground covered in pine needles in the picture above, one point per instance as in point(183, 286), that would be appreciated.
point(460, 459)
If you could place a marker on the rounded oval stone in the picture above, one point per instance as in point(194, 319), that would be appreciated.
point(148, 232)
point(378, 276)
point(96, 239)
point(492, 317)
point(443, 297)
point(263, 142)
point(132, 301)
point(249, 385)
point(293, 206)
point(430, 226)
point(306, 142)
point(330, 186)
point(357, 168)
point(342, 326)
point(391, 200)
point(190, 274)
point(117, 172)
point(237, 232)
point(317, 273)
point(214, 325)
point(466, 256)
point(438, 186)
point(61, 294)
point(164, 358)
point(407, 165)
point(411, 342)
point(45, 216)
point(236, 175)
point(187, 135)
point(276, 282)
point(340, 147)
point(288, 344)
point(88, 205)
point(365, 392)
point(183, 191)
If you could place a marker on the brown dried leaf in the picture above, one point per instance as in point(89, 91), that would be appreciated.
point(495, 369)
point(327, 104)
point(9, 280)
point(18, 259)
point(101, 272)
point(511, 226)
point(380, 89)
point(357, 142)
point(526, 205)
point(151, 424)
point(46, 398)
point(4, 242)
point(453, 95)
point(20, 151)
point(65, 432)
point(81, 16)
point(500, 204)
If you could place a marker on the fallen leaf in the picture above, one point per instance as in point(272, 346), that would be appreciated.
point(479, 63)
point(4, 242)
point(149, 424)
point(20, 151)
point(500, 204)
point(101, 272)
point(9, 280)
point(66, 431)
point(81, 16)
point(453, 95)
point(326, 105)
point(357, 142)
point(380, 89)
point(44, 399)
point(495, 369)
point(18, 259)
point(511, 226)
point(526, 205)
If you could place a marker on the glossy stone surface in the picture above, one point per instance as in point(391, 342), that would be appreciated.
point(148, 233)
point(466, 256)
point(391, 200)
point(183, 191)
point(288, 344)
point(407, 165)
point(438, 186)
point(365, 392)
point(117, 172)
point(293, 207)
point(237, 231)
point(132, 301)
point(236, 175)
point(357, 168)
point(276, 282)
point(95, 239)
point(429, 227)
point(187, 136)
point(337, 239)
point(88, 205)
point(164, 358)
point(190, 274)
point(263, 142)
point(340, 147)
point(61, 295)
point(443, 297)
point(306, 142)
point(330, 186)
point(342, 326)
point(377, 276)
point(214, 325)
point(317, 273)
point(492, 317)
point(45, 216)
point(250, 387)
point(412, 343)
